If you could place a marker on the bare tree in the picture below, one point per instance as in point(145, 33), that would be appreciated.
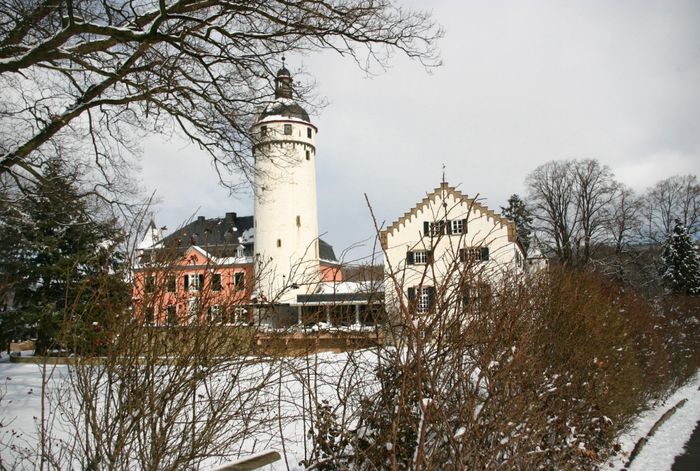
point(677, 197)
point(551, 193)
point(594, 192)
point(570, 200)
point(622, 218)
point(99, 71)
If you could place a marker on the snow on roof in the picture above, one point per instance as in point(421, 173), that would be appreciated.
point(248, 236)
point(346, 287)
point(151, 238)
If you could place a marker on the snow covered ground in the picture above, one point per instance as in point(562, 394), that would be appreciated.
point(20, 405)
point(668, 441)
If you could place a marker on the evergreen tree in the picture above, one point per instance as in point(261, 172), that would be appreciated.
point(680, 262)
point(517, 212)
point(57, 259)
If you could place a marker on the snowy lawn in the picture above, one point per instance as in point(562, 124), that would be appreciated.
point(299, 382)
point(317, 377)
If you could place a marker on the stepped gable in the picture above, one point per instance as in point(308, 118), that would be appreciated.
point(444, 190)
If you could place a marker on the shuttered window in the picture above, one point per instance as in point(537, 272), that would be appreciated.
point(423, 296)
point(474, 254)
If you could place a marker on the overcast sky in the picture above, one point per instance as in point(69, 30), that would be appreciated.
point(523, 83)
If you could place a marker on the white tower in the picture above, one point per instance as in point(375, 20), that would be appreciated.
point(286, 221)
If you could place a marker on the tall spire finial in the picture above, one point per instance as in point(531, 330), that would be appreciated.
point(283, 59)
point(443, 173)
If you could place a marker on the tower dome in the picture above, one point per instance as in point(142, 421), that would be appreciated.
point(284, 104)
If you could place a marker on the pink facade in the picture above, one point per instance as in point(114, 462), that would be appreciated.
point(193, 288)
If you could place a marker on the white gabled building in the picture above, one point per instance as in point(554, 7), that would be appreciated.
point(451, 241)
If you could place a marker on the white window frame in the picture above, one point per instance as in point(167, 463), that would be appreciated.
point(423, 299)
point(473, 254)
point(215, 314)
point(457, 226)
point(192, 308)
point(420, 257)
point(194, 282)
point(436, 228)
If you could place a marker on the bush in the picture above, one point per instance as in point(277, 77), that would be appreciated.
point(543, 375)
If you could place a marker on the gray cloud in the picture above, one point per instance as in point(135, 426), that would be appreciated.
point(522, 83)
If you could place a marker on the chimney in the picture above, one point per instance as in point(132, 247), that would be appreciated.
point(230, 217)
point(201, 219)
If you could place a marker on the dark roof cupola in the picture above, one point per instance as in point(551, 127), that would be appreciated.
point(284, 105)
point(283, 84)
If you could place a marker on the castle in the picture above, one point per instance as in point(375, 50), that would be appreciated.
point(273, 269)
point(269, 268)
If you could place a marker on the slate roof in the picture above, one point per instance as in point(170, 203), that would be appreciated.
point(218, 236)
point(221, 237)
point(285, 108)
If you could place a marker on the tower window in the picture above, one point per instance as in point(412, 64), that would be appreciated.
point(308, 133)
point(308, 155)
point(279, 242)
point(263, 131)
point(287, 129)
point(298, 221)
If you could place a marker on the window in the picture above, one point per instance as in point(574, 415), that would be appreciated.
point(216, 282)
point(287, 129)
point(474, 254)
point(171, 285)
point(193, 282)
point(237, 314)
point(423, 296)
point(239, 280)
point(308, 155)
point(476, 296)
point(192, 309)
point(214, 314)
point(240, 251)
point(309, 133)
point(419, 257)
point(171, 317)
point(150, 284)
point(458, 226)
point(263, 131)
point(433, 229)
